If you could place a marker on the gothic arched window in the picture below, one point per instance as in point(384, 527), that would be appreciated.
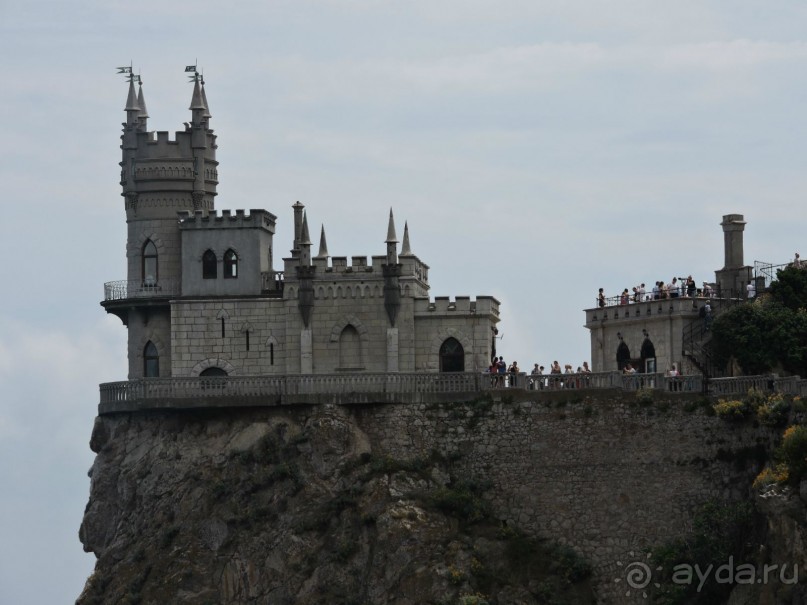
point(209, 265)
point(230, 264)
point(151, 361)
point(648, 353)
point(452, 356)
point(622, 356)
point(149, 263)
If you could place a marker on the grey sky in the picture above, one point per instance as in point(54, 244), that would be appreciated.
point(539, 150)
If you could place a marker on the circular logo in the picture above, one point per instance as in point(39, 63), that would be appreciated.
point(638, 575)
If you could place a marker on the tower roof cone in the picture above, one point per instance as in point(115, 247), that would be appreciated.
point(141, 103)
point(204, 100)
point(405, 249)
point(305, 239)
point(131, 101)
point(196, 100)
point(323, 246)
point(391, 237)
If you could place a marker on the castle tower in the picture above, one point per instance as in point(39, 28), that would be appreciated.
point(159, 178)
point(733, 277)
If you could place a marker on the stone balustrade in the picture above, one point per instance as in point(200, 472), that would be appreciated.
point(402, 388)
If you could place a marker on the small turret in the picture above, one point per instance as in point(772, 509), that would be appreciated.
point(305, 244)
point(323, 245)
point(143, 116)
point(206, 115)
point(406, 250)
point(132, 108)
point(392, 241)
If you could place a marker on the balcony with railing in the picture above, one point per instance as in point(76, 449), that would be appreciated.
point(141, 288)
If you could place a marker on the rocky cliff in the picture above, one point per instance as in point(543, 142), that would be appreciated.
point(535, 501)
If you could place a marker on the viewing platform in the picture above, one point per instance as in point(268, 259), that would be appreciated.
point(401, 388)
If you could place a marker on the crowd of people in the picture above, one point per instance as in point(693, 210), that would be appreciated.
point(503, 375)
point(677, 287)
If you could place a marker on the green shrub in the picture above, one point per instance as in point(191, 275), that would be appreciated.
point(793, 453)
point(644, 396)
point(774, 411)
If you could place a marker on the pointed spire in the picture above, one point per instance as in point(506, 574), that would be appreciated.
point(391, 237)
point(305, 239)
point(141, 103)
point(196, 100)
point(323, 246)
point(204, 100)
point(405, 249)
point(131, 101)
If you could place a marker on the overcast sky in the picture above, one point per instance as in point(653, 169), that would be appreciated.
point(539, 151)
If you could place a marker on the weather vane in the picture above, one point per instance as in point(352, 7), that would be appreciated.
point(130, 75)
point(196, 77)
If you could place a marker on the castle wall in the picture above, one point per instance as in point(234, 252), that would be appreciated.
point(165, 236)
point(149, 324)
point(197, 342)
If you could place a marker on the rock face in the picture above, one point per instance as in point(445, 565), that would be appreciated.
point(784, 552)
point(399, 504)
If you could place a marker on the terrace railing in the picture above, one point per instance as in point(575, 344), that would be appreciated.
point(420, 387)
point(140, 288)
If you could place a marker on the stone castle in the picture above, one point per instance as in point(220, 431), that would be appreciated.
point(203, 295)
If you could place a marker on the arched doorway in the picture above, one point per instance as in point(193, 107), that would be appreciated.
point(622, 356)
point(648, 354)
point(452, 356)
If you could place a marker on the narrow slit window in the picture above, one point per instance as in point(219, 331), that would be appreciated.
point(222, 327)
point(271, 354)
point(247, 335)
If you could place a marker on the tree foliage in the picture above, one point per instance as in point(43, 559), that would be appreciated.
point(771, 332)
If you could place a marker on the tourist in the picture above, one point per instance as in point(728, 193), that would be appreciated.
point(629, 369)
point(691, 288)
point(537, 371)
point(624, 298)
point(797, 262)
point(554, 382)
point(706, 313)
point(501, 369)
point(656, 291)
point(514, 370)
point(601, 298)
point(674, 289)
point(750, 290)
point(707, 290)
point(641, 292)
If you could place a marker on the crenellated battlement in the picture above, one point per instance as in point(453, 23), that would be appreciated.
point(227, 220)
point(482, 305)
